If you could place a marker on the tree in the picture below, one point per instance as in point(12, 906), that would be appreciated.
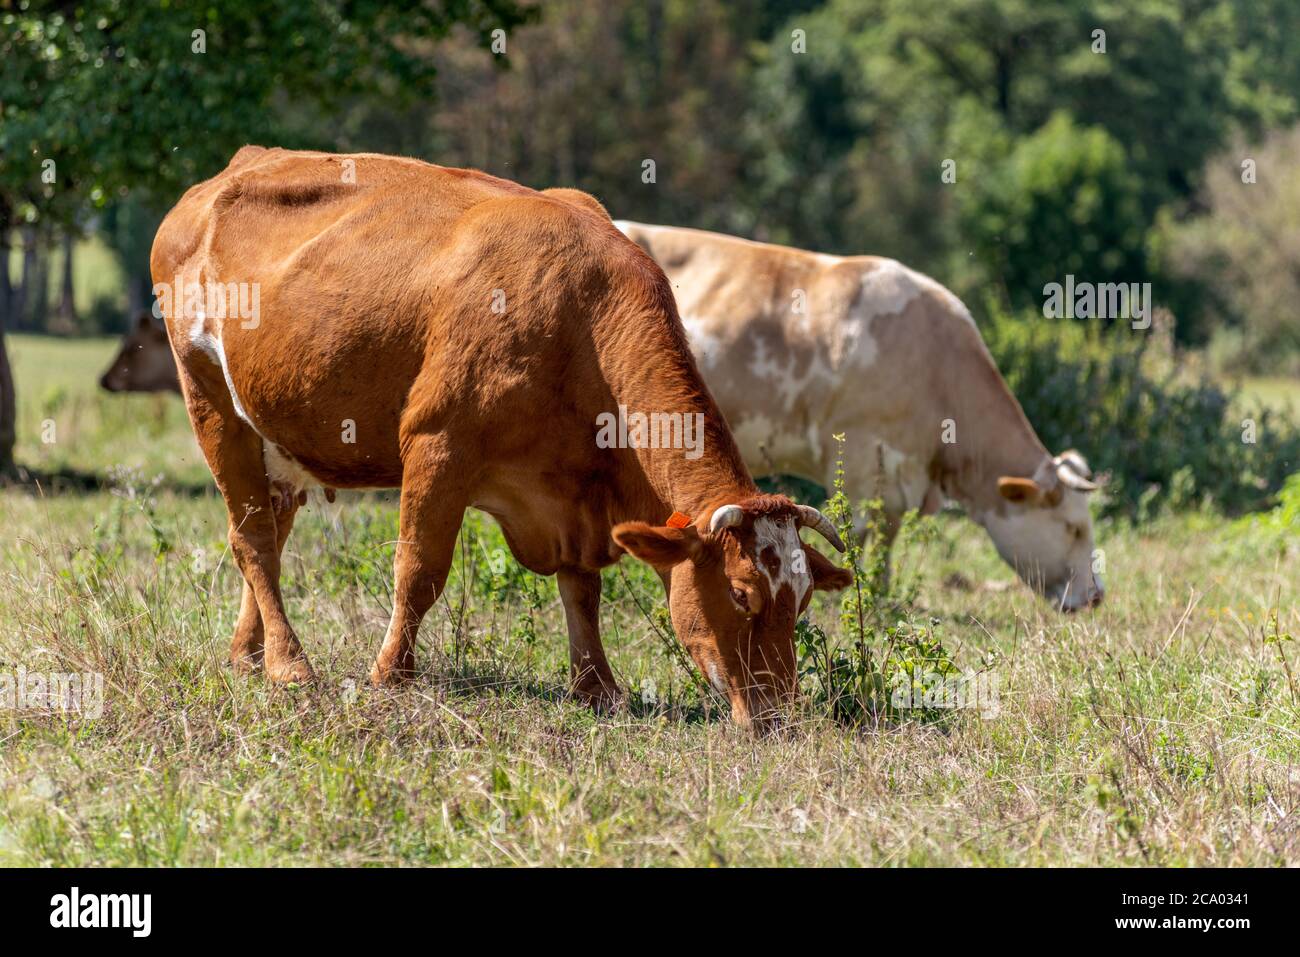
point(1064, 201)
point(106, 98)
point(1245, 248)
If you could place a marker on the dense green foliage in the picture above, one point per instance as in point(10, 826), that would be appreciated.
point(1167, 438)
point(127, 97)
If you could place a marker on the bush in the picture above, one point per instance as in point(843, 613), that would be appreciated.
point(1167, 437)
point(1064, 201)
point(876, 672)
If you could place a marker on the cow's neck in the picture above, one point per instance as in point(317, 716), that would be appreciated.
point(993, 439)
point(678, 479)
point(690, 487)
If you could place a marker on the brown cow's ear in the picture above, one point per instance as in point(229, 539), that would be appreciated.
point(659, 545)
point(1015, 489)
point(826, 575)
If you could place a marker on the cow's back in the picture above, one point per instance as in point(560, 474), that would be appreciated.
point(384, 285)
point(799, 347)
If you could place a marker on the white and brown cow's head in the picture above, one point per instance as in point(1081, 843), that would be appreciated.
point(1043, 529)
point(739, 578)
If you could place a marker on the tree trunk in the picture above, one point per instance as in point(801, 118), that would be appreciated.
point(67, 311)
point(8, 419)
point(6, 250)
point(18, 316)
point(40, 295)
point(133, 303)
point(8, 431)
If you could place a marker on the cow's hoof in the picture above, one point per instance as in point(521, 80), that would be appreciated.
point(246, 662)
point(392, 676)
point(602, 699)
point(290, 671)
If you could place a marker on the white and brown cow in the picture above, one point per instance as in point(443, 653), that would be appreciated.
point(798, 347)
point(365, 320)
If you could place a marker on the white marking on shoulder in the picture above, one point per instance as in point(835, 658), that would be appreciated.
point(888, 288)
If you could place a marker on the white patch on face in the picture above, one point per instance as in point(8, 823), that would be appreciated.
point(1037, 542)
point(783, 538)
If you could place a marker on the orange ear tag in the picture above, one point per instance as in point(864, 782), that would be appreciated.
point(678, 520)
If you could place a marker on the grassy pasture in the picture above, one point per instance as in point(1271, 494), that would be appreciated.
point(1162, 729)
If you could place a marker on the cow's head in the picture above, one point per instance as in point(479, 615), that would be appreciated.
point(1044, 531)
point(738, 578)
point(144, 363)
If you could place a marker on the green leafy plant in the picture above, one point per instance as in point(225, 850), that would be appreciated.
point(878, 672)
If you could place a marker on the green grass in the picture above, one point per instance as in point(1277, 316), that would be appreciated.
point(67, 424)
point(1161, 729)
point(1277, 392)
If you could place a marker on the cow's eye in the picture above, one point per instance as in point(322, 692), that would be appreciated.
point(740, 598)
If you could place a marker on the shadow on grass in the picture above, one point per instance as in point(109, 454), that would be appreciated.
point(67, 481)
point(479, 682)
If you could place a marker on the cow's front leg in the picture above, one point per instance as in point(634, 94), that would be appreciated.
point(589, 673)
point(432, 508)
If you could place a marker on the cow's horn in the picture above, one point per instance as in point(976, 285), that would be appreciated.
point(1072, 479)
point(809, 517)
point(726, 516)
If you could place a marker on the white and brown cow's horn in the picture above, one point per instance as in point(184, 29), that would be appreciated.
point(1072, 470)
point(726, 516)
point(809, 517)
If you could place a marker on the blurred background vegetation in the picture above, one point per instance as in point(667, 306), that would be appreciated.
point(1164, 149)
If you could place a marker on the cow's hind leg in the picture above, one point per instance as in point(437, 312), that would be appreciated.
point(433, 505)
point(234, 453)
point(246, 647)
point(589, 673)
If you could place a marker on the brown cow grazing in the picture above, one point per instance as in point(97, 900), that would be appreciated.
point(144, 361)
point(361, 321)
